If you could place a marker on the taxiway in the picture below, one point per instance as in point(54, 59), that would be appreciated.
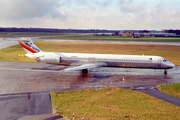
point(18, 77)
point(26, 86)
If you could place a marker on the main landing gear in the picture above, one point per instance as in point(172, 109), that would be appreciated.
point(165, 72)
point(85, 71)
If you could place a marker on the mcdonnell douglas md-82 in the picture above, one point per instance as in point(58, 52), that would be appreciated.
point(84, 62)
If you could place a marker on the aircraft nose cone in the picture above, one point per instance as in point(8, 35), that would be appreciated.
point(171, 65)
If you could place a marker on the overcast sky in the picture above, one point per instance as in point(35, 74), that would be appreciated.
point(91, 14)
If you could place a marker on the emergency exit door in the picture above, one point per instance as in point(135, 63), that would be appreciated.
point(159, 62)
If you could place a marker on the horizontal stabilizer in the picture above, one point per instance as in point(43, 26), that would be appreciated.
point(24, 39)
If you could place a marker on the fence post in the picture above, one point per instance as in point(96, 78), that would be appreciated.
point(56, 109)
point(73, 116)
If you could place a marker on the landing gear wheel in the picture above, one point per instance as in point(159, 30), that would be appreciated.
point(165, 72)
point(84, 71)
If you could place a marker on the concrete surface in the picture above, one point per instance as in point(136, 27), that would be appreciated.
point(14, 106)
point(36, 77)
point(42, 117)
point(162, 96)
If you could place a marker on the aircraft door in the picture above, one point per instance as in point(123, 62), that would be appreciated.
point(60, 59)
point(159, 62)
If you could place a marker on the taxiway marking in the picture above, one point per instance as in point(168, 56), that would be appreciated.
point(28, 70)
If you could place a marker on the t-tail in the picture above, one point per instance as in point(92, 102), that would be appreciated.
point(27, 44)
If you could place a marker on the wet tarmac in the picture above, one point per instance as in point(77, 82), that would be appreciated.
point(19, 82)
point(22, 77)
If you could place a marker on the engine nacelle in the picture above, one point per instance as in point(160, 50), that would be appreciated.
point(49, 59)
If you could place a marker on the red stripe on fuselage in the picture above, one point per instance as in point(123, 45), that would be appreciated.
point(27, 47)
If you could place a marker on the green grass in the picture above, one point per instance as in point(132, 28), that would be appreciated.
point(112, 104)
point(172, 89)
point(117, 38)
point(31, 34)
point(12, 54)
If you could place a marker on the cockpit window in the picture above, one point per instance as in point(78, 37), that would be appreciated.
point(164, 60)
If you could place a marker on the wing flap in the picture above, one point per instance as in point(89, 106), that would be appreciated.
point(86, 66)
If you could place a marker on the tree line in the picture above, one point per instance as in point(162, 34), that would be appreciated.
point(55, 30)
point(172, 31)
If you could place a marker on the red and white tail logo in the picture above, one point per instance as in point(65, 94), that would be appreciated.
point(27, 44)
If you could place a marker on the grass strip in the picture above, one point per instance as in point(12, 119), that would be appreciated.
point(35, 34)
point(116, 38)
point(15, 54)
point(172, 89)
point(171, 53)
point(112, 104)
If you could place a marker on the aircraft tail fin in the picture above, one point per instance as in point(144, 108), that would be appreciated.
point(27, 44)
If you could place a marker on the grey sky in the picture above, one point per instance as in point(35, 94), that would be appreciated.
point(91, 14)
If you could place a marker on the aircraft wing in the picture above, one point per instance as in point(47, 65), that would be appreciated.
point(86, 66)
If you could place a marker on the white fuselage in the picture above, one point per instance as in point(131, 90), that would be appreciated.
point(129, 61)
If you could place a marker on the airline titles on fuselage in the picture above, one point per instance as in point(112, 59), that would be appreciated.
point(93, 59)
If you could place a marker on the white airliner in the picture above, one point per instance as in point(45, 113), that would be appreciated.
point(84, 62)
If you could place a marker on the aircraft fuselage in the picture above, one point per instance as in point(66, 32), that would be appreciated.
point(128, 61)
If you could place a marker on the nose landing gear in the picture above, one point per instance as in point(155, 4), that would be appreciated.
point(165, 72)
point(84, 71)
